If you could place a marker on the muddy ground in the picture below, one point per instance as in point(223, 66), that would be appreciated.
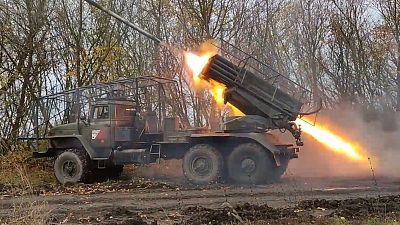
point(171, 200)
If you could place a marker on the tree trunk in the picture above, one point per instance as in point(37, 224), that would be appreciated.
point(21, 109)
point(78, 46)
point(398, 77)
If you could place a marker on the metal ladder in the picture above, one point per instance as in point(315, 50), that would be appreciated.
point(155, 149)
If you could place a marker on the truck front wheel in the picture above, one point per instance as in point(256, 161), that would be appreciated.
point(202, 164)
point(249, 163)
point(72, 166)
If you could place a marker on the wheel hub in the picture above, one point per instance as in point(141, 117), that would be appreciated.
point(69, 168)
point(248, 165)
point(201, 166)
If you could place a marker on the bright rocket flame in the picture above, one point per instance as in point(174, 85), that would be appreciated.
point(196, 63)
point(217, 91)
point(334, 142)
point(235, 111)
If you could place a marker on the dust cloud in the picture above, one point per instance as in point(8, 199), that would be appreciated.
point(375, 133)
point(166, 169)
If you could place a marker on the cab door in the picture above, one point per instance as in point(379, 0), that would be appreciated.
point(98, 131)
point(124, 125)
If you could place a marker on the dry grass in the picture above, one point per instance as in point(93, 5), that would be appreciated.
point(26, 211)
point(371, 221)
point(20, 175)
point(333, 221)
point(18, 169)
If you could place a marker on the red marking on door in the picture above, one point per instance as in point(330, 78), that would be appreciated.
point(101, 135)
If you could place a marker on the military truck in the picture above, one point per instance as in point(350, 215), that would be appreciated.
point(96, 130)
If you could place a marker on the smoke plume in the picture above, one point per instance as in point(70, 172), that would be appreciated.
point(375, 133)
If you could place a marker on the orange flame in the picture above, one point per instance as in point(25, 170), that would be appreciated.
point(235, 111)
point(334, 142)
point(217, 90)
point(196, 64)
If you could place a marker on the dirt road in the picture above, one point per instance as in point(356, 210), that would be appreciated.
point(166, 201)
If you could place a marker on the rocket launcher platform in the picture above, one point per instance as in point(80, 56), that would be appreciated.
point(252, 94)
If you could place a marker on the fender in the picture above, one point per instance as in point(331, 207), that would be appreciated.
point(78, 141)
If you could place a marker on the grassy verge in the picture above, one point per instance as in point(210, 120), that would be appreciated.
point(332, 221)
point(19, 170)
point(27, 211)
point(21, 176)
point(369, 221)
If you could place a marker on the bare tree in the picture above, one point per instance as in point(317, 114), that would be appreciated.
point(390, 11)
point(310, 23)
point(25, 50)
point(332, 47)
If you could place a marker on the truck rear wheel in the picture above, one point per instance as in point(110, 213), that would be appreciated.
point(249, 163)
point(202, 164)
point(72, 166)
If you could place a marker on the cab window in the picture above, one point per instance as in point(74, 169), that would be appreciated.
point(101, 112)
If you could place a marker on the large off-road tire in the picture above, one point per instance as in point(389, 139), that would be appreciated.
point(202, 164)
point(72, 166)
point(249, 163)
